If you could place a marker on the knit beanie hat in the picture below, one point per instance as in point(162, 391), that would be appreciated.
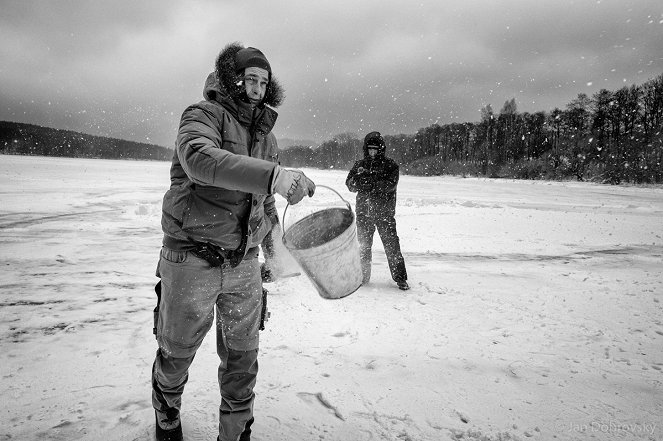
point(251, 57)
point(374, 139)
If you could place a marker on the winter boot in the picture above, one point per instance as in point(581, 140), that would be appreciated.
point(403, 285)
point(246, 435)
point(168, 427)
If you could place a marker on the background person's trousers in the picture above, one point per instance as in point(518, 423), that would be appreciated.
point(392, 247)
point(191, 290)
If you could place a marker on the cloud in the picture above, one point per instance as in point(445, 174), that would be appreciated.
point(128, 69)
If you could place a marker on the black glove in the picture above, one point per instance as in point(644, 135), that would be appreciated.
point(365, 183)
point(264, 312)
point(266, 274)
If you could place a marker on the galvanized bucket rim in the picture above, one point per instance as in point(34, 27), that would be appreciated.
point(352, 214)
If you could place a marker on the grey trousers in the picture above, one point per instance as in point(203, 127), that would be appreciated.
point(191, 292)
point(386, 227)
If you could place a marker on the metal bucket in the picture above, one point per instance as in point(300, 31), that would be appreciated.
point(325, 246)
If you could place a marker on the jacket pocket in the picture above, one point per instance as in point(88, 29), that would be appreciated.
point(212, 215)
point(259, 227)
point(173, 256)
point(175, 202)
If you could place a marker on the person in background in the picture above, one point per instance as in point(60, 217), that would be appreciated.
point(216, 213)
point(375, 179)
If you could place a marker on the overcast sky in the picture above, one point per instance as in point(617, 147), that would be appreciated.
point(127, 68)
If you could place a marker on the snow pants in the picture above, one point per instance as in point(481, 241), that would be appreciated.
point(191, 292)
point(386, 227)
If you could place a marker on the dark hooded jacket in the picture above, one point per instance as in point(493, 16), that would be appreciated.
point(222, 167)
point(375, 181)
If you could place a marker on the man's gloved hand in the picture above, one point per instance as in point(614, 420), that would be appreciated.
point(293, 185)
point(364, 183)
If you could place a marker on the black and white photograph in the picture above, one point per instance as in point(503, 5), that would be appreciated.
point(331, 221)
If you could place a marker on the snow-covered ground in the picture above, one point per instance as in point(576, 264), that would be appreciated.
point(535, 313)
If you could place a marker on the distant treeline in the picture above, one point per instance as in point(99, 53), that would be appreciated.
point(612, 137)
point(28, 139)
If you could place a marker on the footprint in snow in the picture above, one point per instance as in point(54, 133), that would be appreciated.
point(320, 399)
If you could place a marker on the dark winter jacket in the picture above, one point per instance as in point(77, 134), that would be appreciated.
point(221, 171)
point(375, 181)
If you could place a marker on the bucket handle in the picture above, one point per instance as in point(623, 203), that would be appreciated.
point(317, 186)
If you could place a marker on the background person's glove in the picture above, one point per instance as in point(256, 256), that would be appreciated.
point(293, 185)
point(364, 183)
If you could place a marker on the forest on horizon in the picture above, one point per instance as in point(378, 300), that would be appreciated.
point(29, 139)
point(610, 137)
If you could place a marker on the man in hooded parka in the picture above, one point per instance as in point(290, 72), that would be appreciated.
point(217, 211)
point(375, 178)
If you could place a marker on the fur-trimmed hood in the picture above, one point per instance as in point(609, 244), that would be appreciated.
point(227, 82)
point(240, 110)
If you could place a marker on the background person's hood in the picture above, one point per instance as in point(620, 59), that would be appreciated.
point(374, 139)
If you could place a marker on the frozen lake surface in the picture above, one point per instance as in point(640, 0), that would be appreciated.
point(535, 313)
